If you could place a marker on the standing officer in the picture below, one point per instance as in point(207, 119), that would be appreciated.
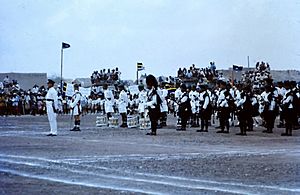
point(269, 112)
point(52, 107)
point(76, 106)
point(153, 103)
point(223, 107)
point(205, 108)
point(288, 109)
point(163, 93)
point(109, 101)
point(122, 105)
point(142, 100)
point(184, 110)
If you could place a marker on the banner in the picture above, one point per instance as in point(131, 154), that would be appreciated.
point(85, 91)
point(133, 89)
point(69, 90)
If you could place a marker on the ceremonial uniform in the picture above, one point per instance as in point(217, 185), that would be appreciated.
point(154, 109)
point(205, 110)
point(269, 112)
point(163, 93)
point(194, 97)
point(288, 112)
point(52, 106)
point(244, 112)
point(75, 105)
point(109, 102)
point(184, 110)
point(142, 99)
point(224, 110)
point(122, 107)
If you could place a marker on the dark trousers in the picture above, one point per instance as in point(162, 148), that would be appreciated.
point(154, 116)
point(289, 120)
point(270, 117)
point(224, 118)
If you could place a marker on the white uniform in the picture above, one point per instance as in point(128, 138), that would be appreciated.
point(194, 97)
point(52, 101)
point(109, 101)
point(142, 101)
point(123, 102)
point(163, 93)
point(75, 103)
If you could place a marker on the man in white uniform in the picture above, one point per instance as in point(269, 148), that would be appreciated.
point(52, 107)
point(122, 105)
point(75, 105)
point(142, 100)
point(109, 101)
point(163, 93)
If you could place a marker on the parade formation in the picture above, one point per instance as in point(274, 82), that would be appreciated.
point(199, 98)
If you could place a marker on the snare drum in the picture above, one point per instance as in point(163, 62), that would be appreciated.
point(114, 121)
point(101, 121)
point(178, 125)
point(132, 121)
point(145, 123)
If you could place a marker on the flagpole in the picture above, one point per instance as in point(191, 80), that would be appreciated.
point(137, 75)
point(61, 69)
point(232, 77)
point(248, 61)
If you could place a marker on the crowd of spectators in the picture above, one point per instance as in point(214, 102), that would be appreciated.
point(16, 101)
point(259, 76)
point(207, 74)
point(105, 76)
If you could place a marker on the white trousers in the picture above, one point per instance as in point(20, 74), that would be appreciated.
point(52, 119)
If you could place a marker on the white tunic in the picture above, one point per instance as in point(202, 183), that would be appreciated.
point(123, 102)
point(109, 101)
point(163, 93)
point(142, 101)
point(75, 103)
point(52, 101)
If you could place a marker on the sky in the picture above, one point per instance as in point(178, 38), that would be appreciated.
point(162, 34)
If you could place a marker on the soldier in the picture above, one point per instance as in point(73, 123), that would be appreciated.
point(184, 110)
point(194, 97)
point(75, 105)
point(122, 105)
point(142, 99)
point(177, 96)
point(288, 109)
point(205, 108)
point(109, 101)
point(269, 111)
point(52, 106)
point(244, 109)
point(153, 103)
point(223, 108)
point(2, 104)
point(163, 93)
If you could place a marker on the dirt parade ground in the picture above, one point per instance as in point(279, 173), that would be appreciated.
point(126, 161)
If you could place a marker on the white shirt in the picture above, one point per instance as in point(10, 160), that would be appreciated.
point(52, 95)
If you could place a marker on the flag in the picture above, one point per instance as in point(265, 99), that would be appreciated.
point(65, 45)
point(140, 66)
point(237, 67)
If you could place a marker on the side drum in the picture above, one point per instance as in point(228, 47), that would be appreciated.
point(132, 121)
point(145, 123)
point(101, 121)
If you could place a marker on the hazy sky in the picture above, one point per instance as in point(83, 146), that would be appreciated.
point(163, 34)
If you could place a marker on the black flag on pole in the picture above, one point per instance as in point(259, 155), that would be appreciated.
point(237, 67)
point(65, 45)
